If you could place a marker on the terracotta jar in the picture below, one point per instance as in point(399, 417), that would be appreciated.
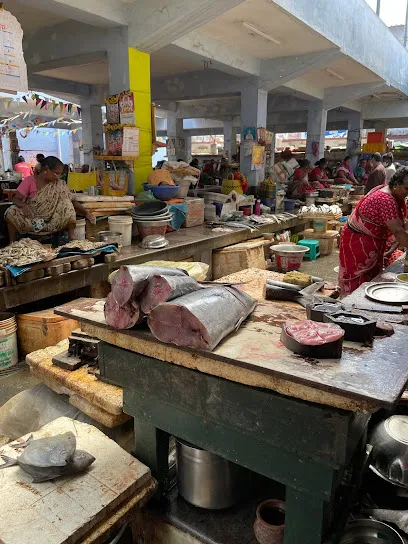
point(269, 526)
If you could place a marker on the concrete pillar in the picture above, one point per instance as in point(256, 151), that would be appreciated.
point(234, 142)
point(228, 137)
point(118, 61)
point(380, 126)
point(316, 129)
point(254, 106)
point(76, 152)
point(92, 128)
point(175, 130)
point(354, 127)
point(187, 147)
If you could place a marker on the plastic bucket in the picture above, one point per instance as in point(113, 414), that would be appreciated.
point(289, 257)
point(122, 224)
point(80, 229)
point(289, 204)
point(184, 186)
point(8, 341)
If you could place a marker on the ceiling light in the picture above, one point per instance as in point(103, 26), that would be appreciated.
point(334, 74)
point(260, 33)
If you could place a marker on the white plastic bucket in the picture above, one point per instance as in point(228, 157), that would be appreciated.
point(122, 224)
point(184, 186)
point(8, 341)
point(80, 229)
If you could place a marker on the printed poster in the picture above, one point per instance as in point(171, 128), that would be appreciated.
point(249, 139)
point(258, 157)
point(13, 69)
point(127, 108)
point(130, 146)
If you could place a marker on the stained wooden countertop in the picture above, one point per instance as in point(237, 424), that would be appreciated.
point(364, 379)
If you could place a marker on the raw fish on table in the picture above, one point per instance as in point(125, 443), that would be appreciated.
point(311, 333)
point(201, 319)
point(164, 288)
point(130, 281)
point(121, 317)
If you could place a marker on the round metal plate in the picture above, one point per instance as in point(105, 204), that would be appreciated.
point(390, 293)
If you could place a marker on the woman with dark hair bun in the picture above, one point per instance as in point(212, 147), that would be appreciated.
point(43, 203)
point(379, 220)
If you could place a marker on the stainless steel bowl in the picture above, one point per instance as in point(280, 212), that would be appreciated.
point(110, 237)
point(370, 531)
point(390, 450)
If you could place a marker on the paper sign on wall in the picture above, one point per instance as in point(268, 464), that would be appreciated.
point(13, 69)
point(130, 146)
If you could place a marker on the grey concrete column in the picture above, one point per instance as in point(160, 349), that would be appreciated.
point(380, 126)
point(118, 60)
point(76, 152)
point(254, 106)
point(228, 137)
point(234, 141)
point(175, 130)
point(92, 128)
point(354, 127)
point(316, 129)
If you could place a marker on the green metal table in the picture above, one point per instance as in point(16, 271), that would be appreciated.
point(307, 446)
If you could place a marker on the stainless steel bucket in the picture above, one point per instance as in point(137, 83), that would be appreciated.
point(206, 479)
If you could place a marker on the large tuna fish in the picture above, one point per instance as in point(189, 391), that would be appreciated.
point(201, 319)
point(164, 288)
point(130, 281)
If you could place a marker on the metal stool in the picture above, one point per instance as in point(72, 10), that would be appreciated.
point(314, 248)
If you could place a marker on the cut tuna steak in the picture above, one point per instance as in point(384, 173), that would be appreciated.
point(121, 317)
point(310, 333)
point(130, 281)
point(201, 319)
point(164, 288)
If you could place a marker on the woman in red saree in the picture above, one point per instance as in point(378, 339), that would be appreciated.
point(319, 174)
point(344, 173)
point(378, 217)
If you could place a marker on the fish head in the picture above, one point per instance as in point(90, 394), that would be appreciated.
point(82, 460)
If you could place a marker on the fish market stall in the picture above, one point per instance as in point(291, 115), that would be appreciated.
point(196, 243)
point(298, 420)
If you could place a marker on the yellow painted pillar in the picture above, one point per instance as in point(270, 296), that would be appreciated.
point(139, 77)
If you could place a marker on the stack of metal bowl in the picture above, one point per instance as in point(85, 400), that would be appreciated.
point(389, 458)
point(151, 218)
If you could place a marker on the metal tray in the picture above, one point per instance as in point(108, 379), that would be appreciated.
point(390, 293)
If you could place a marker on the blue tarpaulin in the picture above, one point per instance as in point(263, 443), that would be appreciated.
point(18, 270)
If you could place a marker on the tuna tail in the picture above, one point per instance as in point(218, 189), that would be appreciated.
point(22, 445)
point(8, 461)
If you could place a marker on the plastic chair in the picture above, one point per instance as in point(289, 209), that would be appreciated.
point(314, 248)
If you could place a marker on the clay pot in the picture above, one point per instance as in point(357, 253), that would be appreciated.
point(269, 526)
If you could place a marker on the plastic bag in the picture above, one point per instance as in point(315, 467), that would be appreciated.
point(196, 270)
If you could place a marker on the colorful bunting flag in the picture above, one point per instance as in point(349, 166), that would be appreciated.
point(25, 99)
point(69, 108)
point(43, 104)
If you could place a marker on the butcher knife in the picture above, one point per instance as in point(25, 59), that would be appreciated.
point(383, 308)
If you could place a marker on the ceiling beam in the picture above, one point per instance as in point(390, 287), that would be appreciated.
point(106, 13)
point(382, 109)
point(223, 57)
point(77, 60)
point(279, 71)
point(55, 86)
point(157, 23)
point(338, 96)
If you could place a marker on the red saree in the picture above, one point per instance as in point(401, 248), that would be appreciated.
point(364, 239)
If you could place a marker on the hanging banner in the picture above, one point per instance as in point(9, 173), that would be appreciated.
point(13, 69)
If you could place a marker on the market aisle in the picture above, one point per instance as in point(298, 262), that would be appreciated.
point(323, 267)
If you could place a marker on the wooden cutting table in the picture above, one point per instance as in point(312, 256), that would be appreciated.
point(298, 421)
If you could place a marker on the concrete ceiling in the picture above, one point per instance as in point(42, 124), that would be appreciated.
point(95, 73)
point(340, 72)
point(31, 18)
point(172, 60)
point(294, 37)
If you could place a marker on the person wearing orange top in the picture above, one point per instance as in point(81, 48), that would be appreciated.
point(23, 168)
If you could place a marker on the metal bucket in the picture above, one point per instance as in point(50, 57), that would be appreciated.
point(206, 479)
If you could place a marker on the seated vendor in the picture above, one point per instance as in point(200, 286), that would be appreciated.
point(44, 204)
point(319, 174)
point(23, 168)
point(362, 171)
point(300, 185)
point(345, 174)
